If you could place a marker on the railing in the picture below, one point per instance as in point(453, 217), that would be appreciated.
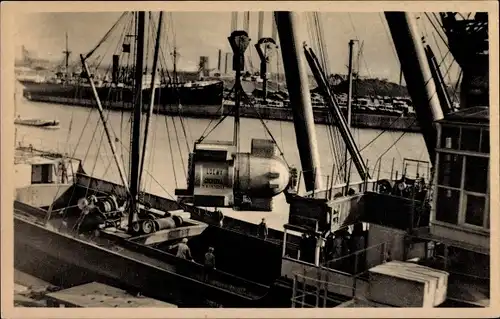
point(410, 168)
point(38, 144)
point(313, 298)
point(358, 263)
point(315, 286)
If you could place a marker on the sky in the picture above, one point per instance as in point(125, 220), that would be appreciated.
point(204, 33)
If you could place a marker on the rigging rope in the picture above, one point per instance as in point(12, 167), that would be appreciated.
point(251, 103)
point(203, 135)
point(179, 146)
point(104, 104)
point(333, 134)
point(394, 143)
point(437, 31)
point(171, 151)
point(174, 85)
point(107, 34)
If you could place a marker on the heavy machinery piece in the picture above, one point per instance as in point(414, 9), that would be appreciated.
point(220, 177)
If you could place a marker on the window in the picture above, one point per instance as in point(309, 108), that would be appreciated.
point(450, 137)
point(474, 209)
point(462, 190)
point(476, 174)
point(487, 215)
point(41, 173)
point(447, 206)
point(470, 139)
point(450, 170)
point(468, 262)
point(485, 141)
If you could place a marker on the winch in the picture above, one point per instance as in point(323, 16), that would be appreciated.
point(218, 176)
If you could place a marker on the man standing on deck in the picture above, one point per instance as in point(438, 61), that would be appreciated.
point(183, 250)
point(209, 264)
point(263, 231)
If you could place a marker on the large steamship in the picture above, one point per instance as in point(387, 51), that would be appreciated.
point(174, 88)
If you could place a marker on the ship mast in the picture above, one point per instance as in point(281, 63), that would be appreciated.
point(349, 77)
point(175, 55)
point(418, 77)
point(152, 99)
point(67, 53)
point(349, 111)
point(136, 122)
point(300, 98)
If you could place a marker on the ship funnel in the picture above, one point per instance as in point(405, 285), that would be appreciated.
point(115, 69)
point(219, 60)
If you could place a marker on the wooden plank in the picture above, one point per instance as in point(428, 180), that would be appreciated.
point(96, 294)
point(30, 282)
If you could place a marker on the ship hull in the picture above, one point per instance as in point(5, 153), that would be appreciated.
point(204, 94)
point(65, 262)
point(245, 276)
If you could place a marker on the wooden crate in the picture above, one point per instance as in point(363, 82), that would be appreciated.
point(404, 284)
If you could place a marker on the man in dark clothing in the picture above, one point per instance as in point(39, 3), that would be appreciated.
point(358, 246)
point(209, 264)
point(263, 231)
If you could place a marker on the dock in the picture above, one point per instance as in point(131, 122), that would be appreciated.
point(30, 291)
point(96, 294)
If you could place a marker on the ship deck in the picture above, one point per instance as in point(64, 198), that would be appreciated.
point(145, 257)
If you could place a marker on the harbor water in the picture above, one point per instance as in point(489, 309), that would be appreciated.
point(166, 160)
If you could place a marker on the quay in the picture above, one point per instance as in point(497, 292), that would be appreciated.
point(407, 123)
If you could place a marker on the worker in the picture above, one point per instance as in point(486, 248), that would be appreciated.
point(340, 249)
point(63, 171)
point(209, 264)
point(302, 247)
point(183, 250)
point(263, 231)
point(220, 217)
point(358, 245)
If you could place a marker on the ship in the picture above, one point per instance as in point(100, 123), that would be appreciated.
point(81, 229)
point(72, 88)
point(206, 98)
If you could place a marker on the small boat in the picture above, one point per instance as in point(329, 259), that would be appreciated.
point(48, 124)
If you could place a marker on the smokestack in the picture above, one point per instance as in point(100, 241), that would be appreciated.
point(274, 31)
point(115, 69)
point(228, 59)
point(246, 22)
point(219, 60)
point(261, 25)
point(234, 21)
